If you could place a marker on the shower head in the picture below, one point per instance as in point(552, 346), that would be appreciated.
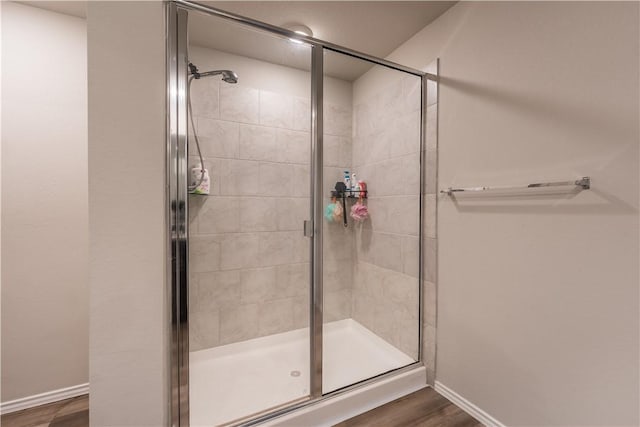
point(228, 76)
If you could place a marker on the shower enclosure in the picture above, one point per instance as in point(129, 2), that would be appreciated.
point(280, 297)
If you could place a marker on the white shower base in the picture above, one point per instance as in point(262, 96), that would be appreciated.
point(237, 380)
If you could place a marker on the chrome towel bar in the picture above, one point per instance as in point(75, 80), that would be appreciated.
point(584, 183)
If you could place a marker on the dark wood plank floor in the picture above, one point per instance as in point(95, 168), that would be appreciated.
point(65, 413)
point(424, 408)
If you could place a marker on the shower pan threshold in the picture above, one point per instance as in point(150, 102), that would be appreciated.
point(235, 380)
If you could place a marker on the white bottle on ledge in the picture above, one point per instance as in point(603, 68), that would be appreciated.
point(201, 187)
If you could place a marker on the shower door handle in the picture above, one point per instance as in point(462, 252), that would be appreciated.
point(308, 228)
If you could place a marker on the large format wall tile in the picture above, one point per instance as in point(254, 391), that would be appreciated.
point(292, 280)
point(389, 104)
point(293, 146)
point(338, 274)
point(239, 104)
point(300, 180)
point(337, 120)
point(205, 98)
point(258, 284)
point(257, 214)
point(276, 110)
point(219, 215)
point(337, 305)
point(276, 179)
point(275, 316)
point(412, 93)
point(364, 120)
point(239, 250)
point(410, 255)
point(257, 149)
point(290, 211)
point(386, 302)
point(407, 135)
point(215, 290)
point(258, 143)
point(396, 214)
point(204, 253)
point(276, 248)
point(204, 329)
point(238, 323)
point(249, 261)
point(238, 178)
point(430, 259)
point(218, 138)
point(301, 114)
point(301, 312)
point(386, 154)
point(337, 151)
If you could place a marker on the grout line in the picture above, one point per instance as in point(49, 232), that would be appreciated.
point(229, 196)
point(197, 116)
point(195, 156)
point(225, 233)
point(390, 233)
point(387, 196)
point(231, 233)
point(384, 268)
point(250, 268)
point(379, 162)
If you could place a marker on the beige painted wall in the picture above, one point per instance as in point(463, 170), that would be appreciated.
point(44, 198)
point(128, 345)
point(538, 295)
point(527, 94)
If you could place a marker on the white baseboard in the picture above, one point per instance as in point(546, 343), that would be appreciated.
point(43, 398)
point(467, 406)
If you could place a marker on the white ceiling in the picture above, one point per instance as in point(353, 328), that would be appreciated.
point(73, 8)
point(373, 27)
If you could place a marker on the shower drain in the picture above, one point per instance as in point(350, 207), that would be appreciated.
point(295, 373)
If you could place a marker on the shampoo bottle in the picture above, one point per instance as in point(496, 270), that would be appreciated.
point(201, 186)
point(347, 180)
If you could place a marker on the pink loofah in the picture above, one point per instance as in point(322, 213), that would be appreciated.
point(359, 212)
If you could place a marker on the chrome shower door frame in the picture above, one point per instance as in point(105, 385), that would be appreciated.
point(177, 206)
point(176, 211)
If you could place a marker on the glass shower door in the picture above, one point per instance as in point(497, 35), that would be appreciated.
point(371, 229)
point(277, 311)
point(249, 261)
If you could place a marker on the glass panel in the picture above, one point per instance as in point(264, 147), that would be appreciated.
point(371, 248)
point(249, 262)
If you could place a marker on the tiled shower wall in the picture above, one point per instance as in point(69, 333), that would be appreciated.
point(249, 261)
point(386, 154)
point(338, 241)
point(429, 209)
